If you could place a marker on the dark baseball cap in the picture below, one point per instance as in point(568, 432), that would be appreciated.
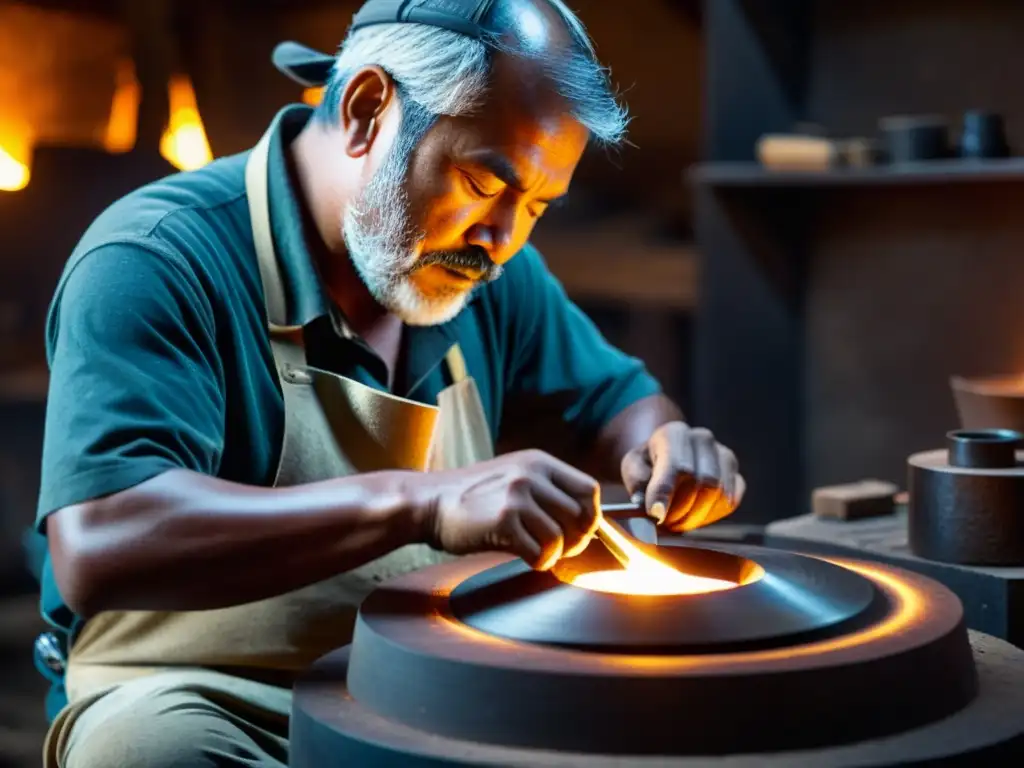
point(312, 68)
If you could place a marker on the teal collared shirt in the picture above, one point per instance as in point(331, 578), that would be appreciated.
point(159, 356)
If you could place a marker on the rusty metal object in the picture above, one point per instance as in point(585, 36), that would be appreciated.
point(966, 501)
point(419, 686)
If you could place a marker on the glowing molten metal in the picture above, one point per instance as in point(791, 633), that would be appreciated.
point(646, 575)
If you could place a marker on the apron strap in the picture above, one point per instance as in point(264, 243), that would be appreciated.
point(256, 188)
point(456, 364)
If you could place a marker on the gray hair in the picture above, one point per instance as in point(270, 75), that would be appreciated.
point(446, 73)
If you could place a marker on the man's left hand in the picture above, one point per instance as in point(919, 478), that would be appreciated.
point(687, 478)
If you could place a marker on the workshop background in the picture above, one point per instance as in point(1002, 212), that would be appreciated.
point(812, 319)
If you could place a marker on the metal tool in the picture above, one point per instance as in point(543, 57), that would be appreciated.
point(633, 517)
point(612, 539)
point(623, 509)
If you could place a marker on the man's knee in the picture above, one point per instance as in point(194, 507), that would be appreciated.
point(164, 728)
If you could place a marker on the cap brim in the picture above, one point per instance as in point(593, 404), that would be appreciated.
point(304, 65)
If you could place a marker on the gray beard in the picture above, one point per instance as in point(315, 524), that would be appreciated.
point(381, 239)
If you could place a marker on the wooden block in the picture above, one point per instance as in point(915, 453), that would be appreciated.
point(854, 501)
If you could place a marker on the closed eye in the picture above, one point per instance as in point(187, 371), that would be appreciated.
point(476, 189)
point(543, 206)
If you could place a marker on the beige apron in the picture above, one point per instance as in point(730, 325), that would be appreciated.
point(334, 427)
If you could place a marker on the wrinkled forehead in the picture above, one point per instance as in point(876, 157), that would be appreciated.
point(535, 133)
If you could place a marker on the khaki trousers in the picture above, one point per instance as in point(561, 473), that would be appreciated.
point(179, 720)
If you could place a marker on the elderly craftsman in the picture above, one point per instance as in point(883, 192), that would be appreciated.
point(254, 364)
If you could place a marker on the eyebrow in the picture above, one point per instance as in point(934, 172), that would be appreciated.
point(503, 169)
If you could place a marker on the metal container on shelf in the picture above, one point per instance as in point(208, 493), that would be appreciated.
point(966, 500)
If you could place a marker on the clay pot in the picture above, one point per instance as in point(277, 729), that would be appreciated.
point(992, 402)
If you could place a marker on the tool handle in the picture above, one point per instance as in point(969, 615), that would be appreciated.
point(624, 510)
point(634, 518)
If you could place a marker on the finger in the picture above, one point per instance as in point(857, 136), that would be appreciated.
point(574, 482)
point(523, 545)
point(582, 488)
point(672, 474)
point(683, 503)
point(724, 506)
point(546, 533)
point(707, 498)
point(576, 521)
point(688, 514)
point(705, 449)
point(636, 472)
point(730, 469)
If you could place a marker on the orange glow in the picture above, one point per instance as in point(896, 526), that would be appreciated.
point(1009, 384)
point(908, 607)
point(184, 143)
point(15, 156)
point(122, 127)
point(313, 96)
point(646, 575)
point(656, 581)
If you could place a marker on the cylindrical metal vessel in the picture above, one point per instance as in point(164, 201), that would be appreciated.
point(967, 501)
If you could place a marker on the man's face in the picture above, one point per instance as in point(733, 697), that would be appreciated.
point(438, 219)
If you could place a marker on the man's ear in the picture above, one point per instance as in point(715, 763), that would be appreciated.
point(367, 95)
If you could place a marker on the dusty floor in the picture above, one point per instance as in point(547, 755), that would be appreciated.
point(22, 719)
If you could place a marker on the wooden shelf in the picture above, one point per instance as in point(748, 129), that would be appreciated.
point(754, 175)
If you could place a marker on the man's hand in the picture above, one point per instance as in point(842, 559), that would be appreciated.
point(527, 503)
point(687, 479)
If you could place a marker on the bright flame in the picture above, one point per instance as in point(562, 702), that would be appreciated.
point(15, 157)
point(313, 96)
point(641, 580)
point(184, 143)
point(122, 127)
point(646, 575)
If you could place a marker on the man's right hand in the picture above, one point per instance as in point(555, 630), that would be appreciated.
point(527, 503)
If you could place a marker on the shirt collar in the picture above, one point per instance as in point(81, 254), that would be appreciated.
point(307, 300)
point(304, 290)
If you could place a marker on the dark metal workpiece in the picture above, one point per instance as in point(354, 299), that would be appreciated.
point(967, 502)
point(983, 448)
point(417, 687)
point(798, 599)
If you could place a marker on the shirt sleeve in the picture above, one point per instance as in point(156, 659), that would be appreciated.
point(559, 355)
point(136, 384)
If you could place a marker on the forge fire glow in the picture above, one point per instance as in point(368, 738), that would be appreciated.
point(646, 575)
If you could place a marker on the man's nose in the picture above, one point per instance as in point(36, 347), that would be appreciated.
point(496, 234)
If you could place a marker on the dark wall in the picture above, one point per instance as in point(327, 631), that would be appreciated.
point(909, 285)
point(834, 311)
point(904, 288)
point(913, 57)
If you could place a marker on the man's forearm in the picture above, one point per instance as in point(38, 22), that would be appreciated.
point(629, 429)
point(185, 541)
